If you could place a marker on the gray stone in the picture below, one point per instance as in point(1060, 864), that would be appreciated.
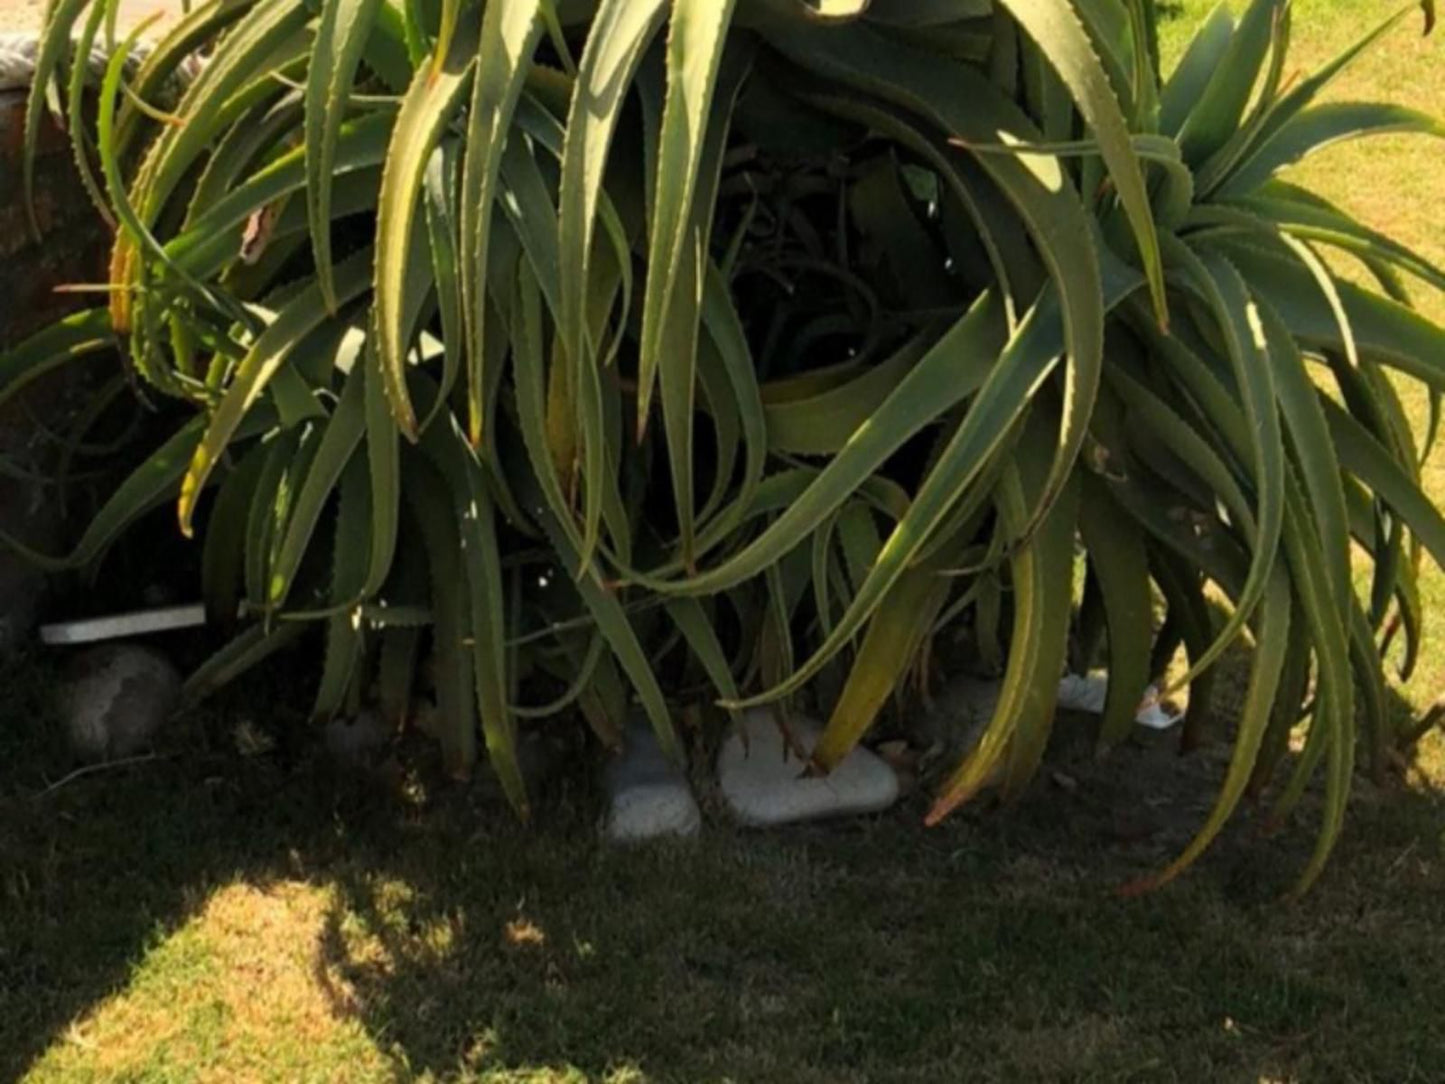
point(648, 796)
point(356, 741)
point(764, 782)
point(113, 700)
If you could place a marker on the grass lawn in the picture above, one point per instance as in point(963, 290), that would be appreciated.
point(212, 916)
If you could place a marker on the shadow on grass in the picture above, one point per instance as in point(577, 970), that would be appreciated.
point(991, 948)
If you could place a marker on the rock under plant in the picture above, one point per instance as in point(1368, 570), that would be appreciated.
point(115, 698)
point(648, 795)
point(764, 782)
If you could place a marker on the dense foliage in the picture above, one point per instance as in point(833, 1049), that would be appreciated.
point(701, 350)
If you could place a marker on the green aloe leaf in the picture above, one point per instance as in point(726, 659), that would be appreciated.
point(697, 33)
point(1290, 104)
point(1383, 329)
point(1119, 560)
point(361, 146)
point(1332, 729)
point(429, 104)
point(481, 561)
point(698, 629)
point(146, 488)
point(970, 109)
point(683, 299)
point(247, 650)
point(1362, 455)
point(1201, 59)
point(339, 440)
point(1319, 127)
point(269, 352)
point(1241, 329)
point(1055, 27)
point(1218, 107)
point(621, 31)
point(1000, 403)
point(71, 337)
point(1313, 451)
point(954, 368)
point(431, 505)
point(345, 643)
point(509, 34)
point(224, 554)
point(340, 39)
point(442, 227)
point(1272, 640)
point(52, 49)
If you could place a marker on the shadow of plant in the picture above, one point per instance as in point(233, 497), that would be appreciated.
point(467, 947)
point(878, 951)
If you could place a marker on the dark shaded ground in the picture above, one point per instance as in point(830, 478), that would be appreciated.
point(992, 948)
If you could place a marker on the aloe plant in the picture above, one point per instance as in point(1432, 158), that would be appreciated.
point(686, 351)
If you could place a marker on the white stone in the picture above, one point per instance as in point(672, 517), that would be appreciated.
point(114, 698)
point(648, 795)
point(1090, 691)
point(652, 811)
point(1084, 692)
point(764, 783)
point(971, 703)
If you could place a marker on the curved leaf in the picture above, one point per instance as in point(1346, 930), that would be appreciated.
point(340, 39)
point(429, 104)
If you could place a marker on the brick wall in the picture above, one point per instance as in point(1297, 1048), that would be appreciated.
point(72, 248)
point(73, 242)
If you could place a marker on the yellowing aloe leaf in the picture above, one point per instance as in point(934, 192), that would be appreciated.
point(900, 624)
point(446, 31)
point(1030, 684)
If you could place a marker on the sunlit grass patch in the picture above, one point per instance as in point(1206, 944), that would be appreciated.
point(237, 993)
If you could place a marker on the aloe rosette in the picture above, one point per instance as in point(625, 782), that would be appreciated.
point(692, 351)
